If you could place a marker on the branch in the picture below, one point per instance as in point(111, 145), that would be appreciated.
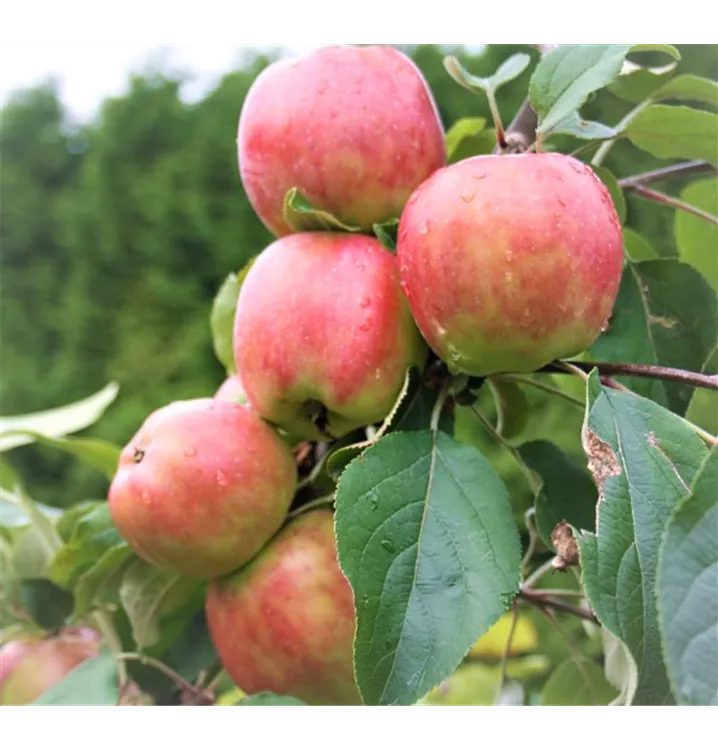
point(674, 172)
point(695, 379)
point(669, 200)
point(542, 601)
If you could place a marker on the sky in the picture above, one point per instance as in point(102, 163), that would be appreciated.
point(88, 71)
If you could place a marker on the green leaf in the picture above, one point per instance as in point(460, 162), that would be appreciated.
point(637, 246)
point(47, 604)
point(689, 87)
point(574, 125)
point(636, 84)
point(221, 319)
point(270, 699)
point(697, 239)
point(509, 69)
point(92, 683)
point(609, 180)
point(577, 682)
point(564, 79)
point(55, 423)
point(10, 479)
point(302, 216)
point(427, 540)
point(620, 668)
point(100, 454)
point(99, 584)
point(567, 492)
point(465, 129)
point(668, 49)
point(386, 233)
point(31, 554)
point(674, 132)
point(512, 407)
point(642, 457)
point(149, 595)
point(665, 314)
point(688, 591)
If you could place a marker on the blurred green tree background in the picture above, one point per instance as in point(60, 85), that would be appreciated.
point(116, 234)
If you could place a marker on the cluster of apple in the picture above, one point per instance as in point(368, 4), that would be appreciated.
point(503, 263)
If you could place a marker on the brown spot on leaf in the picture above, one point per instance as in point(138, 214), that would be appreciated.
point(602, 462)
point(658, 320)
point(565, 545)
point(653, 442)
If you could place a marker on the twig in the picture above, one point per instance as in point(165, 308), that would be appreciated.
point(543, 387)
point(166, 671)
point(507, 651)
point(674, 172)
point(538, 573)
point(104, 624)
point(669, 200)
point(323, 500)
point(529, 517)
point(545, 602)
point(696, 379)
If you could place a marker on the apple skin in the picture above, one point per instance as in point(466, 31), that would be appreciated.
point(201, 487)
point(322, 319)
point(356, 130)
point(510, 262)
point(286, 622)
point(30, 667)
point(232, 390)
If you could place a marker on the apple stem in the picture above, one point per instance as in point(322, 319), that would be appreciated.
point(498, 124)
point(669, 200)
point(674, 171)
point(696, 379)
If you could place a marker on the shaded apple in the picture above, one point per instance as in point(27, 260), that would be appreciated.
point(201, 487)
point(231, 390)
point(510, 262)
point(31, 666)
point(285, 623)
point(323, 334)
point(354, 129)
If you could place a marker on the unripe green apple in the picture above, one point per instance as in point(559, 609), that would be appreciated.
point(202, 486)
point(510, 262)
point(30, 667)
point(355, 129)
point(231, 390)
point(285, 623)
point(323, 334)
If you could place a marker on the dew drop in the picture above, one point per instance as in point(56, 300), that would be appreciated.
point(388, 546)
point(366, 325)
point(365, 302)
point(221, 479)
point(190, 452)
point(467, 195)
point(360, 265)
point(508, 276)
point(424, 228)
point(146, 498)
point(479, 176)
point(562, 202)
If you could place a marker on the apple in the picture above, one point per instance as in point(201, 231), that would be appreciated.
point(231, 390)
point(323, 335)
point(285, 623)
point(355, 129)
point(510, 262)
point(31, 666)
point(202, 487)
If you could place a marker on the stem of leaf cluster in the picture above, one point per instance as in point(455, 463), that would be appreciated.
point(507, 651)
point(674, 171)
point(160, 667)
point(439, 406)
point(543, 387)
point(533, 537)
point(669, 200)
point(606, 146)
point(496, 116)
point(545, 602)
point(539, 573)
point(104, 624)
point(323, 500)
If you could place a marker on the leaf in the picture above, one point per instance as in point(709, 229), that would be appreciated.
point(689, 87)
point(675, 132)
point(99, 584)
point(10, 479)
point(509, 69)
point(462, 131)
point(31, 554)
point(637, 246)
point(512, 407)
point(619, 668)
point(567, 493)
point(427, 539)
point(636, 84)
point(697, 239)
point(668, 49)
point(573, 125)
point(564, 79)
point(609, 180)
point(688, 590)
point(47, 604)
point(665, 314)
point(148, 595)
point(55, 423)
point(92, 683)
point(642, 457)
point(100, 454)
point(577, 682)
point(270, 699)
point(221, 319)
point(492, 643)
point(302, 216)
point(386, 233)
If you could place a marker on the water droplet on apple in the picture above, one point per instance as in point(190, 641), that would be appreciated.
point(562, 202)
point(509, 255)
point(508, 276)
point(606, 326)
point(424, 228)
point(366, 325)
point(365, 302)
point(467, 195)
point(360, 265)
point(190, 452)
point(479, 176)
point(146, 498)
point(222, 480)
point(388, 546)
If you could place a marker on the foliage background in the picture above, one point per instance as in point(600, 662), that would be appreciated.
point(116, 234)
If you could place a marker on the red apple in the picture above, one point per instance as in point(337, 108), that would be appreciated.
point(231, 390)
point(355, 129)
point(323, 335)
point(285, 623)
point(30, 667)
point(510, 262)
point(201, 487)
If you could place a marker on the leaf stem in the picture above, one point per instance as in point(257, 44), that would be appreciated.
point(505, 656)
point(103, 622)
point(496, 116)
point(669, 200)
point(538, 574)
point(168, 672)
point(696, 379)
point(549, 603)
point(543, 387)
point(323, 500)
point(438, 406)
point(674, 171)
point(606, 146)
point(529, 517)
